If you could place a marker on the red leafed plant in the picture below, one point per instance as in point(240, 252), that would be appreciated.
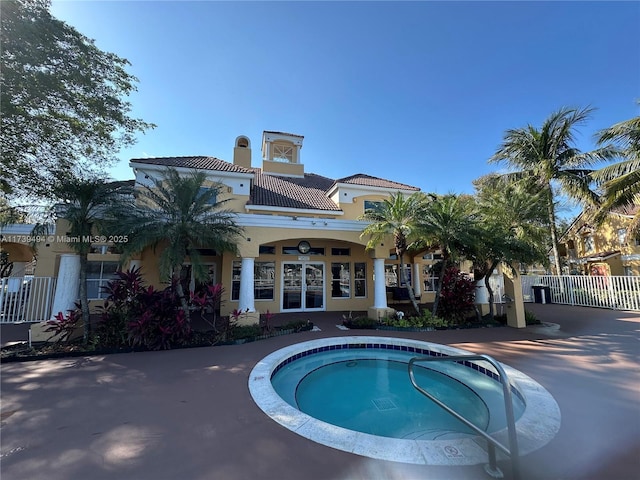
point(457, 296)
point(64, 326)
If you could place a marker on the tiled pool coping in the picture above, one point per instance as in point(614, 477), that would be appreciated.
point(536, 427)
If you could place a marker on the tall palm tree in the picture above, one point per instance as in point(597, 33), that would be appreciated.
point(179, 214)
point(398, 216)
point(84, 203)
point(549, 157)
point(620, 182)
point(448, 223)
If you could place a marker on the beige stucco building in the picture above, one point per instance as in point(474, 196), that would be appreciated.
point(302, 249)
point(607, 249)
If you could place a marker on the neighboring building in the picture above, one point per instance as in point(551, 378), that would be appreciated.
point(302, 249)
point(609, 249)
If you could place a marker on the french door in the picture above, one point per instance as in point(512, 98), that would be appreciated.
point(302, 287)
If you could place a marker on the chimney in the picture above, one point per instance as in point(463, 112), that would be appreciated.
point(242, 152)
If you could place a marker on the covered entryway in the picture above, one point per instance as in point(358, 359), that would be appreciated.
point(303, 287)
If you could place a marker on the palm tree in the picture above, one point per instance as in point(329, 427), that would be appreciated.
point(620, 182)
point(549, 157)
point(448, 223)
point(399, 217)
point(180, 215)
point(511, 228)
point(84, 203)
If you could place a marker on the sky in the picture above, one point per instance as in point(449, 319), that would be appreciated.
point(416, 92)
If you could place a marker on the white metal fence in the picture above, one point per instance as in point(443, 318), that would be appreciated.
point(26, 299)
point(615, 292)
point(29, 299)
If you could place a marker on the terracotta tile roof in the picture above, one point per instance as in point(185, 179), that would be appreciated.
point(308, 192)
point(369, 181)
point(198, 162)
point(292, 192)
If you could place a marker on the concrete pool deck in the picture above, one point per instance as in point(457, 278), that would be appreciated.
point(188, 414)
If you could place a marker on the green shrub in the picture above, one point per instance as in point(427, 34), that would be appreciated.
point(248, 332)
point(296, 325)
point(361, 322)
point(425, 320)
point(530, 318)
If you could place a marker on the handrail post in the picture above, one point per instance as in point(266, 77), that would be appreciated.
point(512, 451)
point(492, 468)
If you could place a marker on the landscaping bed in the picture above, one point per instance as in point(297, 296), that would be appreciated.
point(22, 352)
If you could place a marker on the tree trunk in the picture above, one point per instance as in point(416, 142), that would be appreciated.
point(554, 235)
point(440, 280)
point(177, 274)
point(489, 290)
point(84, 302)
point(403, 278)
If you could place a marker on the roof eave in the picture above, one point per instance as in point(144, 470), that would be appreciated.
point(218, 173)
point(292, 211)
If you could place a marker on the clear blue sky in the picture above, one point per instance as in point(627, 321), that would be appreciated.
point(417, 92)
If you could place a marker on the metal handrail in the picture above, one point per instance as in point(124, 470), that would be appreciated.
point(512, 451)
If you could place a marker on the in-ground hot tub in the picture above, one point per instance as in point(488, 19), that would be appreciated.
point(354, 394)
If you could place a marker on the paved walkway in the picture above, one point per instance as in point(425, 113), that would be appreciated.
point(187, 414)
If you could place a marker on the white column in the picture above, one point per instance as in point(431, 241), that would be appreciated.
point(482, 294)
point(247, 297)
point(298, 154)
point(417, 279)
point(379, 287)
point(267, 151)
point(19, 269)
point(67, 284)
point(134, 264)
point(14, 282)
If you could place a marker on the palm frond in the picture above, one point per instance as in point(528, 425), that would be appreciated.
point(179, 214)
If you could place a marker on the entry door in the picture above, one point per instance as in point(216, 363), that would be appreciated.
point(302, 286)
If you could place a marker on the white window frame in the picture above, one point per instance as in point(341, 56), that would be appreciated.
point(101, 280)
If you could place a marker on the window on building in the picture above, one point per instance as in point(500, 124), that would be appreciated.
point(360, 280)
point(212, 200)
point(340, 280)
point(282, 153)
point(188, 277)
point(622, 236)
point(264, 280)
point(392, 277)
point(371, 205)
point(340, 252)
point(429, 280)
point(236, 269)
point(98, 275)
point(295, 251)
point(589, 244)
point(628, 271)
point(266, 250)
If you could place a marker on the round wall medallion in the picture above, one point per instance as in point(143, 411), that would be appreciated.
point(304, 247)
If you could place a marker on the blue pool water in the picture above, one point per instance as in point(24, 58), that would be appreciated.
point(368, 390)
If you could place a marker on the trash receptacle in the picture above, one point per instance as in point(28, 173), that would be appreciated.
point(541, 293)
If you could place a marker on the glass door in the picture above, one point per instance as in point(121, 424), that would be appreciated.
point(291, 286)
point(314, 286)
point(302, 286)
